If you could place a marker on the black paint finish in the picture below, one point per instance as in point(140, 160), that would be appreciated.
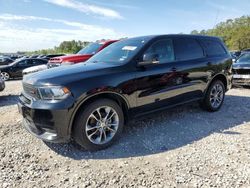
point(138, 89)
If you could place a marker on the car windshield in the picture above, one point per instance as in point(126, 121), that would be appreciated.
point(244, 58)
point(120, 52)
point(15, 62)
point(90, 49)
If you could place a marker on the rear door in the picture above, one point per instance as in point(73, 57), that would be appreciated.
point(192, 63)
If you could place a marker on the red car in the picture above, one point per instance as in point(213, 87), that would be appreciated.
point(83, 55)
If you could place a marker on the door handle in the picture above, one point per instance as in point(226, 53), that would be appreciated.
point(174, 69)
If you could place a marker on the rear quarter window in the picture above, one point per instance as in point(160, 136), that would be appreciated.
point(213, 48)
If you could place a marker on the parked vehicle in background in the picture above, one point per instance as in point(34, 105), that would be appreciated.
point(5, 60)
point(83, 55)
point(34, 69)
point(14, 70)
point(90, 102)
point(2, 84)
point(241, 71)
point(33, 56)
point(48, 57)
point(245, 51)
point(235, 54)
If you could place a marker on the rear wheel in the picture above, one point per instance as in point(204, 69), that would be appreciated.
point(214, 96)
point(5, 76)
point(98, 125)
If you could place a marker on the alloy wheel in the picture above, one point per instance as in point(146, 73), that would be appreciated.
point(102, 125)
point(5, 76)
point(216, 95)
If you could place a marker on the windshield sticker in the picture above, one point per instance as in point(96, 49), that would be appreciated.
point(129, 48)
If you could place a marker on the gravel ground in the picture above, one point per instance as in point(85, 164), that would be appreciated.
point(180, 147)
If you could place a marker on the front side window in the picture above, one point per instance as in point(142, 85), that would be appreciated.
point(90, 49)
point(163, 50)
point(187, 49)
point(23, 63)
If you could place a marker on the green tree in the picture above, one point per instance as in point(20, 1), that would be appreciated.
point(234, 32)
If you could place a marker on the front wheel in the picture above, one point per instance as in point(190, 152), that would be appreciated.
point(98, 125)
point(5, 76)
point(214, 96)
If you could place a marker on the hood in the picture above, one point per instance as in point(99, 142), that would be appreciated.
point(70, 58)
point(66, 74)
point(4, 66)
point(242, 65)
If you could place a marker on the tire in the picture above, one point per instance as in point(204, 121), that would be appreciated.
point(214, 96)
point(5, 76)
point(90, 130)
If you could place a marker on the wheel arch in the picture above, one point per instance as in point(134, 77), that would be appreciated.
point(119, 99)
point(10, 75)
point(220, 77)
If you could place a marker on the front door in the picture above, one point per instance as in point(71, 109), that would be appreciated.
point(19, 67)
point(156, 83)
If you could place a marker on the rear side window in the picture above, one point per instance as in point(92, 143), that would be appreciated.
point(187, 49)
point(213, 48)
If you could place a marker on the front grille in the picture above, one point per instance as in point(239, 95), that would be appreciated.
point(30, 91)
point(241, 71)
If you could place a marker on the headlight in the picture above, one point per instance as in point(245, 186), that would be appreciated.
point(67, 63)
point(53, 93)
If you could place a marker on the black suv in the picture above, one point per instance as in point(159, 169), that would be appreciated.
point(90, 102)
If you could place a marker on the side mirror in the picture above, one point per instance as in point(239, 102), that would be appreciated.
point(149, 59)
point(234, 60)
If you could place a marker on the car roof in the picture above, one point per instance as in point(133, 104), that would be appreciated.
point(177, 35)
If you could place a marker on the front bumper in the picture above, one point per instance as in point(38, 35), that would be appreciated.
point(241, 79)
point(49, 122)
point(241, 82)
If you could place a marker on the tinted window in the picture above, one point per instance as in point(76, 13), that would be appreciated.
point(90, 49)
point(41, 62)
point(245, 58)
point(23, 62)
point(35, 62)
point(213, 48)
point(31, 62)
point(187, 49)
point(163, 49)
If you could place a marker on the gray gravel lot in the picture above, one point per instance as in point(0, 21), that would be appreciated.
point(180, 147)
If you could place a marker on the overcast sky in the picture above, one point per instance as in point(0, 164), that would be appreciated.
point(37, 24)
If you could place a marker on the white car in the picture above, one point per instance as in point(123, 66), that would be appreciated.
point(34, 69)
